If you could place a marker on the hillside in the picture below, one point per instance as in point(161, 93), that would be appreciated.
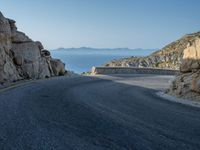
point(169, 57)
point(187, 82)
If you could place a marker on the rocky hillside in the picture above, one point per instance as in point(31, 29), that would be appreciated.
point(23, 58)
point(169, 57)
point(187, 83)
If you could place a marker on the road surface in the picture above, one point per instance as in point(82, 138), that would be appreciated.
point(96, 113)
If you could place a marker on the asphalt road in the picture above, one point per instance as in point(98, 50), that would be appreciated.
point(96, 113)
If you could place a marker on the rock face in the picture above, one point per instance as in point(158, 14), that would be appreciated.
point(57, 67)
point(22, 58)
point(183, 55)
point(191, 57)
point(187, 83)
point(170, 57)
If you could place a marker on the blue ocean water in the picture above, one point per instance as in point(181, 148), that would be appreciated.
point(83, 59)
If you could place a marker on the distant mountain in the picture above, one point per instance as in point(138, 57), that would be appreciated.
point(103, 49)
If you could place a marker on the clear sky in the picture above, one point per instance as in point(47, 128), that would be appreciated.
point(104, 23)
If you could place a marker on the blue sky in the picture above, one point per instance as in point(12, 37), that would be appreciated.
point(104, 23)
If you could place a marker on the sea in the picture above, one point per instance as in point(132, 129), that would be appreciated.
point(81, 60)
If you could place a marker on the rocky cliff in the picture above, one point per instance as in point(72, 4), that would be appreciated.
point(169, 57)
point(23, 58)
point(184, 55)
point(187, 83)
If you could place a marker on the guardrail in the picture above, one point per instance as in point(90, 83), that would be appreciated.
point(132, 70)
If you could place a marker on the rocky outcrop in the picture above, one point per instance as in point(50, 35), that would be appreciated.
point(57, 67)
point(183, 55)
point(170, 57)
point(23, 58)
point(187, 83)
point(191, 57)
point(131, 70)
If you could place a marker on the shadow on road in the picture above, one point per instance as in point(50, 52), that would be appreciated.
point(106, 112)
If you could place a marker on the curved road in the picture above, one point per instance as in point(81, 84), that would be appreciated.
point(96, 113)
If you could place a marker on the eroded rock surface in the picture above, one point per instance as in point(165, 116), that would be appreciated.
point(57, 67)
point(23, 58)
point(187, 83)
point(169, 57)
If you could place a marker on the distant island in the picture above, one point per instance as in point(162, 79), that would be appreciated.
point(84, 58)
point(107, 49)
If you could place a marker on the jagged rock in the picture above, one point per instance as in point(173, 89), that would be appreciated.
point(12, 24)
point(186, 66)
point(5, 33)
point(8, 70)
point(20, 37)
point(44, 69)
point(45, 53)
point(18, 60)
point(187, 83)
point(34, 65)
point(12, 27)
point(22, 58)
point(170, 57)
point(39, 44)
point(58, 67)
point(196, 83)
point(191, 57)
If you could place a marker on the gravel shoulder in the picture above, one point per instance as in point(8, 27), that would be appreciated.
point(179, 100)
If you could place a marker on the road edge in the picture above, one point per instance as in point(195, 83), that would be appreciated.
point(178, 100)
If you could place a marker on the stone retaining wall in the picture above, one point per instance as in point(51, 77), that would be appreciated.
point(132, 70)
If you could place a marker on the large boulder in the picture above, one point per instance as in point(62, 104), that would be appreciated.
point(58, 67)
point(191, 57)
point(34, 66)
point(196, 82)
point(45, 53)
point(187, 83)
point(18, 60)
point(21, 57)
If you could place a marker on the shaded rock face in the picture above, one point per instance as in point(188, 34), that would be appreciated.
point(187, 83)
point(21, 57)
point(33, 65)
point(8, 70)
point(170, 57)
point(57, 67)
